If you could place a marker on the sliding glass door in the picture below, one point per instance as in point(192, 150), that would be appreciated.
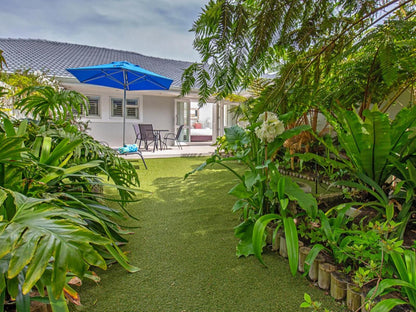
point(183, 117)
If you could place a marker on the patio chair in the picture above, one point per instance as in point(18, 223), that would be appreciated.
point(138, 152)
point(138, 135)
point(148, 136)
point(173, 137)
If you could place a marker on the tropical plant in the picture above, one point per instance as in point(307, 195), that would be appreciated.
point(46, 104)
point(285, 191)
point(374, 145)
point(22, 79)
point(376, 150)
point(308, 303)
point(263, 194)
point(404, 264)
point(53, 222)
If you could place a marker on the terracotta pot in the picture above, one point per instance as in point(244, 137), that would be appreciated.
point(324, 275)
point(338, 285)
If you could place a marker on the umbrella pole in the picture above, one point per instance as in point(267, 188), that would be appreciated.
point(124, 108)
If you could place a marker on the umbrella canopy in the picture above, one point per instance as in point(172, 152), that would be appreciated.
point(121, 75)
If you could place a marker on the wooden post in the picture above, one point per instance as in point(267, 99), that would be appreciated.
point(303, 252)
point(353, 297)
point(338, 285)
point(314, 269)
point(283, 247)
point(276, 242)
point(324, 275)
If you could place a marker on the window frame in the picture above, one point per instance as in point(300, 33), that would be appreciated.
point(98, 99)
point(138, 107)
point(83, 113)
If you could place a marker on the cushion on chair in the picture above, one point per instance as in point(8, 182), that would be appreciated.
point(128, 148)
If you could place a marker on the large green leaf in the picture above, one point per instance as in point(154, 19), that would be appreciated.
point(259, 237)
point(38, 231)
point(374, 158)
point(70, 170)
point(244, 232)
point(236, 137)
point(387, 305)
point(57, 304)
point(386, 284)
point(306, 201)
point(352, 135)
point(51, 156)
point(292, 244)
point(240, 191)
point(405, 265)
point(11, 148)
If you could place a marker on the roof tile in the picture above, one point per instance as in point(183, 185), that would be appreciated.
point(54, 57)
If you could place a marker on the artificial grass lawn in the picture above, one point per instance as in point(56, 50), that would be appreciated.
point(185, 248)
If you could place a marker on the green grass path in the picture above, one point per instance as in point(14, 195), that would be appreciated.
point(185, 248)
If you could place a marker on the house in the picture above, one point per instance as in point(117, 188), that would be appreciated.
point(164, 109)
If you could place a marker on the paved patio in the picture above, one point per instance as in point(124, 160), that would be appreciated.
point(188, 150)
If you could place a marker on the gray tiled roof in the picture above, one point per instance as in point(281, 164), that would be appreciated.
point(53, 57)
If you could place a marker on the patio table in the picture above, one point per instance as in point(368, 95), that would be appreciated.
point(158, 134)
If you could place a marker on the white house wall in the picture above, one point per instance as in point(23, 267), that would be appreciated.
point(155, 110)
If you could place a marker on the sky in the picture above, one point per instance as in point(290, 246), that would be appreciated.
point(157, 28)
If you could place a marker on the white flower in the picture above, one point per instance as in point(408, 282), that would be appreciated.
point(270, 128)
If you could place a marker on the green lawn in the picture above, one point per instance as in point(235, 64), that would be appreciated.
point(185, 248)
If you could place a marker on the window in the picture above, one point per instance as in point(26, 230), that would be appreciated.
point(93, 106)
point(132, 108)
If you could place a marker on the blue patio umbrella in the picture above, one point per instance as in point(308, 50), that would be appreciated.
point(121, 75)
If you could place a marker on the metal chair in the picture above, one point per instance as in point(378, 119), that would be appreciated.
point(148, 136)
point(173, 137)
point(138, 135)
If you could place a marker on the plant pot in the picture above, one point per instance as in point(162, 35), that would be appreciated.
point(338, 285)
point(303, 252)
point(314, 269)
point(283, 247)
point(324, 275)
point(353, 297)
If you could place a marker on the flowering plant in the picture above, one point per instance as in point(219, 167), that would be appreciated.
point(263, 194)
point(270, 127)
